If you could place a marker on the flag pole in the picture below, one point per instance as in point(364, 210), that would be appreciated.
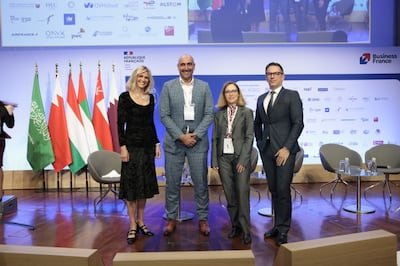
point(58, 173)
point(86, 170)
point(43, 170)
point(70, 175)
point(99, 66)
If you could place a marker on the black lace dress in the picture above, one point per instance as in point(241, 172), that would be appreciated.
point(137, 131)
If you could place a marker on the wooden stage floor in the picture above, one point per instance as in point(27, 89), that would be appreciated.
point(67, 219)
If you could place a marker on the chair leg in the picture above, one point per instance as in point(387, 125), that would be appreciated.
point(113, 189)
point(220, 198)
point(336, 181)
point(333, 188)
point(394, 184)
point(371, 186)
point(258, 195)
point(296, 192)
point(386, 184)
point(99, 198)
point(322, 186)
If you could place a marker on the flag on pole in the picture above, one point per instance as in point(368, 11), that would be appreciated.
point(58, 129)
point(112, 111)
point(100, 120)
point(39, 153)
point(86, 117)
point(77, 138)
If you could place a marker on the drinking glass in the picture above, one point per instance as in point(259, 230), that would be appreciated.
point(342, 166)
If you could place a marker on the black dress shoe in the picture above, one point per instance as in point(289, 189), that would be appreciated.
point(131, 236)
point(143, 228)
point(246, 239)
point(281, 239)
point(236, 231)
point(271, 233)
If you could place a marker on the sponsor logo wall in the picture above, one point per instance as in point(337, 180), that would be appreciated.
point(345, 101)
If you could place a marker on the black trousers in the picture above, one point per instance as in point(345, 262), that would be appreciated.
point(279, 179)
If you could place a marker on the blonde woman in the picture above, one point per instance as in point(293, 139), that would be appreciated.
point(139, 147)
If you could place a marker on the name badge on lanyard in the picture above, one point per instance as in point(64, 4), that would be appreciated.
point(228, 146)
point(228, 143)
point(188, 112)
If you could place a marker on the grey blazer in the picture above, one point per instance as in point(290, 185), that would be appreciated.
point(242, 135)
point(172, 103)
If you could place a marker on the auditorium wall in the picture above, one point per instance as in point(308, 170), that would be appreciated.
point(337, 85)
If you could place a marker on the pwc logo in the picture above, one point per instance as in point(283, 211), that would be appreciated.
point(365, 58)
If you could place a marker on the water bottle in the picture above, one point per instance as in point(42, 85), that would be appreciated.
point(346, 165)
point(374, 166)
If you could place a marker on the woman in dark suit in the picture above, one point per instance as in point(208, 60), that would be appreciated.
point(232, 143)
point(6, 117)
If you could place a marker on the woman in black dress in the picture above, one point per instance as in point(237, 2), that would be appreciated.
point(6, 117)
point(139, 146)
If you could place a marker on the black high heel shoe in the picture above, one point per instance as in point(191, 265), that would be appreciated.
point(143, 228)
point(131, 236)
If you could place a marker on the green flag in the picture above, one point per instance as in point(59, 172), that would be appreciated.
point(40, 152)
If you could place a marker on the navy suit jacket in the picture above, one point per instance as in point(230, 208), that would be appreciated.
point(283, 126)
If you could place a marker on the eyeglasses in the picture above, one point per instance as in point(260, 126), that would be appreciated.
point(272, 74)
point(232, 91)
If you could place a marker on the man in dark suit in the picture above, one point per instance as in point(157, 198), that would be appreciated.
point(6, 117)
point(277, 126)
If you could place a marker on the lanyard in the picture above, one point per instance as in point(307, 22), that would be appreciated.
point(231, 113)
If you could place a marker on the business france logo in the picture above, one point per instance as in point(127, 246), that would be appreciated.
point(382, 58)
point(365, 58)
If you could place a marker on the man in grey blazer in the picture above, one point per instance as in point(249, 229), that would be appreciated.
point(278, 124)
point(186, 111)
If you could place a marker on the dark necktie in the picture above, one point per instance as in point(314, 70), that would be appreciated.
point(271, 102)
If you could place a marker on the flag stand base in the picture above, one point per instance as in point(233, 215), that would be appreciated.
point(9, 205)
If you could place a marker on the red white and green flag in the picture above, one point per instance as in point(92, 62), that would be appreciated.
point(76, 130)
point(58, 129)
point(86, 117)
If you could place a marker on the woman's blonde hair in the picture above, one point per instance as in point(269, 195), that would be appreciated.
point(132, 80)
point(222, 100)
